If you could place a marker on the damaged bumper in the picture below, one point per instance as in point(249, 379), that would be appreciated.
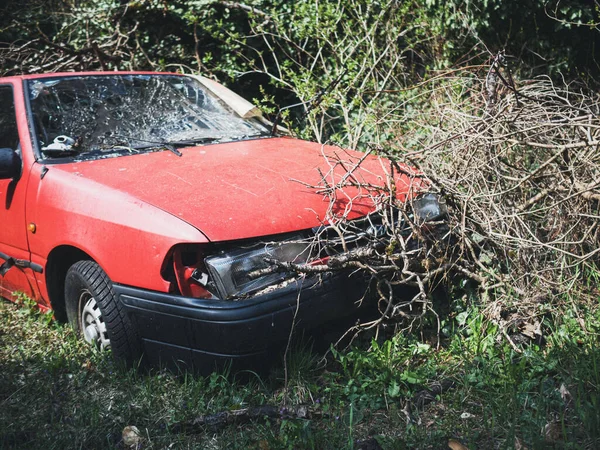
point(197, 333)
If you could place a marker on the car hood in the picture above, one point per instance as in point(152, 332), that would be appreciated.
point(240, 189)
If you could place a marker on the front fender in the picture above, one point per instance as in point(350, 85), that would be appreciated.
point(128, 238)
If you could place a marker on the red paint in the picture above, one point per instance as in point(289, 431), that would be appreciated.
point(231, 191)
point(128, 212)
point(13, 225)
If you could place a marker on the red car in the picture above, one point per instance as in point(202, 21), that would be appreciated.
point(137, 206)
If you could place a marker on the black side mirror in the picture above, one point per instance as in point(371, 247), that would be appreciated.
point(10, 164)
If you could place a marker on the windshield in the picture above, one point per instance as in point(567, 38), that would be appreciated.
point(108, 115)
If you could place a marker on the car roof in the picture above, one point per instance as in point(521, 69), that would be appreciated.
point(74, 74)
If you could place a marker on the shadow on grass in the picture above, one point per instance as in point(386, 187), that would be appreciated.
point(55, 393)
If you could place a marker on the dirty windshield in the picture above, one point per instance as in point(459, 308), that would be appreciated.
point(87, 117)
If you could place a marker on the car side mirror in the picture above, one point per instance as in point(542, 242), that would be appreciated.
point(10, 164)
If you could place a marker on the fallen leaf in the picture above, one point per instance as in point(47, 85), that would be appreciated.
point(564, 393)
point(455, 445)
point(519, 445)
point(552, 431)
point(131, 436)
point(531, 330)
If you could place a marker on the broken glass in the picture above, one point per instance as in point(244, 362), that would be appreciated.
point(97, 116)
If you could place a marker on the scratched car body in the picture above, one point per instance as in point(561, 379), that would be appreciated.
point(135, 205)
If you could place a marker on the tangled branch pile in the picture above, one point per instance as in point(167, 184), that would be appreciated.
point(404, 243)
point(519, 169)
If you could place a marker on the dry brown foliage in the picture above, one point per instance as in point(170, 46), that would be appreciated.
point(518, 166)
point(521, 169)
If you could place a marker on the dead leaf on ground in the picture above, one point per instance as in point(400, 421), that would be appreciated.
point(131, 436)
point(552, 431)
point(564, 393)
point(519, 445)
point(455, 445)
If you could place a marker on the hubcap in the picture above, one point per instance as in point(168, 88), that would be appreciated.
point(92, 323)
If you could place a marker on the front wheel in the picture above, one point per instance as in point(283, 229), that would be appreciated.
point(96, 314)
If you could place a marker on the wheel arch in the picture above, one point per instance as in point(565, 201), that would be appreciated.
point(60, 259)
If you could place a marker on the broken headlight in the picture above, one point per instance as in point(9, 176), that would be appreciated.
point(428, 208)
point(231, 271)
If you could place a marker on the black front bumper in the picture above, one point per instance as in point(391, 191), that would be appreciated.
point(198, 333)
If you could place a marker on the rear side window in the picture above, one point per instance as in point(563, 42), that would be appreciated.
point(9, 134)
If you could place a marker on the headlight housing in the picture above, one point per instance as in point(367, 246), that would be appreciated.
point(230, 271)
point(428, 208)
point(233, 272)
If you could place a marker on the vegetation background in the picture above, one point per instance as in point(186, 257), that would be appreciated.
point(511, 365)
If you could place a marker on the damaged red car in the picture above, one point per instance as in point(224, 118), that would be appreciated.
point(143, 207)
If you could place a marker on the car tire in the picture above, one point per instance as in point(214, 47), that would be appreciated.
point(94, 311)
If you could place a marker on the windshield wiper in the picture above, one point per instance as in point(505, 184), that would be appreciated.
point(164, 145)
point(172, 145)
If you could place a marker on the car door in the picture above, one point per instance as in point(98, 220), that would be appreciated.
point(13, 228)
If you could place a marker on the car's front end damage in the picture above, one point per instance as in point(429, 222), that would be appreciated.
point(184, 330)
point(236, 301)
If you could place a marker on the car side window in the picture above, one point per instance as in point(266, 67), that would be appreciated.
point(9, 134)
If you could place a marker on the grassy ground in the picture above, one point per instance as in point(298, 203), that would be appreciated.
point(56, 393)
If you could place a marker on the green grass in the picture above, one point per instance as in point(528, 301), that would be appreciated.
point(56, 393)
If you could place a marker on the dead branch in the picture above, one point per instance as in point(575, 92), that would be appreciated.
point(519, 169)
point(245, 415)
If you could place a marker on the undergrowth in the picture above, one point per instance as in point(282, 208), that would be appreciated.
point(57, 393)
